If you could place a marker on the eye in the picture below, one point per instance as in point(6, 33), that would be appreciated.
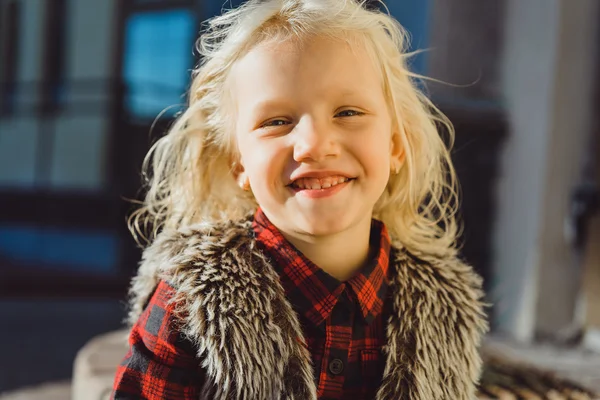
point(275, 122)
point(349, 113)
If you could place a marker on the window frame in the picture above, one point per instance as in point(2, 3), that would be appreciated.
point(53, 55)
point(104, 211)
point(10, 12)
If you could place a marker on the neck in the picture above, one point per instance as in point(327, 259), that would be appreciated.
point(340, 255)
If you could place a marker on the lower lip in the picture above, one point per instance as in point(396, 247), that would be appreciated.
point(320, 193)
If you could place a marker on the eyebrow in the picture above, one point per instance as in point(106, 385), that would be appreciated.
point(349, 93)
point(263, 106)
point(268, 104)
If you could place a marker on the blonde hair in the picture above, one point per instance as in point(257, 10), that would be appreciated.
point(189, 173)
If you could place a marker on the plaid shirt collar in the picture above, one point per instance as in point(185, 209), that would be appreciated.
point(312, 291)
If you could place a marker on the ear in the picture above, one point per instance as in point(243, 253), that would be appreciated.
point(244, 182)
point(397, 153)
point(239, 174)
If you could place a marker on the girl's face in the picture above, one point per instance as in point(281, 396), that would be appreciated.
point(314, 134)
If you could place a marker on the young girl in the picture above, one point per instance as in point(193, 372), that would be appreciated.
point(304, 205)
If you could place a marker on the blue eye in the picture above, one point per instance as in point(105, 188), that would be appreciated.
point(349, 113)
point(275, 122)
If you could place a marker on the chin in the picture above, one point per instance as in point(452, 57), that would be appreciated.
point(326, 226)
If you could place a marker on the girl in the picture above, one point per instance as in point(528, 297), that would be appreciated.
point(305, 205)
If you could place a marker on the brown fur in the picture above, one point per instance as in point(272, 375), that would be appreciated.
point(248, 337)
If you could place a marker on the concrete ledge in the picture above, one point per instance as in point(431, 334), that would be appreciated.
point(95, 366)
point(48, 391)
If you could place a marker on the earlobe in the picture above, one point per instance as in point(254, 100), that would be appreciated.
point(239, 174)
point(244, 182)
point(397, 153)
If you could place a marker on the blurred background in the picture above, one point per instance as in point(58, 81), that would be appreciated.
point(82, 82)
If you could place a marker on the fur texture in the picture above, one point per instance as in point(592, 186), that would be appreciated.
point(248, 337)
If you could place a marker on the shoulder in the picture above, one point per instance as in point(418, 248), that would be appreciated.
point(198, 241)
point(440, 299)
point(442, 272)
point(217, 278)
point(181, 256)
point(446, 283)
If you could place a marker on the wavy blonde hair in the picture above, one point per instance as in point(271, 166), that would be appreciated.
point(188, 172)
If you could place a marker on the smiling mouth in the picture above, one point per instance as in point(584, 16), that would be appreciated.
point(318, 183)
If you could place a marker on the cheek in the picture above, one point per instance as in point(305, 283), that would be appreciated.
point(375, 154)
point(265, 164)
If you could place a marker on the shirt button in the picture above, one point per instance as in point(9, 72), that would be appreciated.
point(336, 366)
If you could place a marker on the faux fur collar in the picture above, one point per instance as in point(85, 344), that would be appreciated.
point(248, 337)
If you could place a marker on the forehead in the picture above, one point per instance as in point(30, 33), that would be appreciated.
point(317, 66)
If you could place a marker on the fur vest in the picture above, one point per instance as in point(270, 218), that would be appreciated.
point(248, 338)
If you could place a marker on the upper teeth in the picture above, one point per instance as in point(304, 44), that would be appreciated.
point(316, 183)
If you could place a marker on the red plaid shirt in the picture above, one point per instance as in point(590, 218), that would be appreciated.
point(343, 323)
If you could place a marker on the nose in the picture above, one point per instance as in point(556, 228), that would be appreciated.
point(314, 141)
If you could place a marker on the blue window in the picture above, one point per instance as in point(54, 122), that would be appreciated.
point(215, 7)
point(60, 249)
point(158, 57)
point(414, 16)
